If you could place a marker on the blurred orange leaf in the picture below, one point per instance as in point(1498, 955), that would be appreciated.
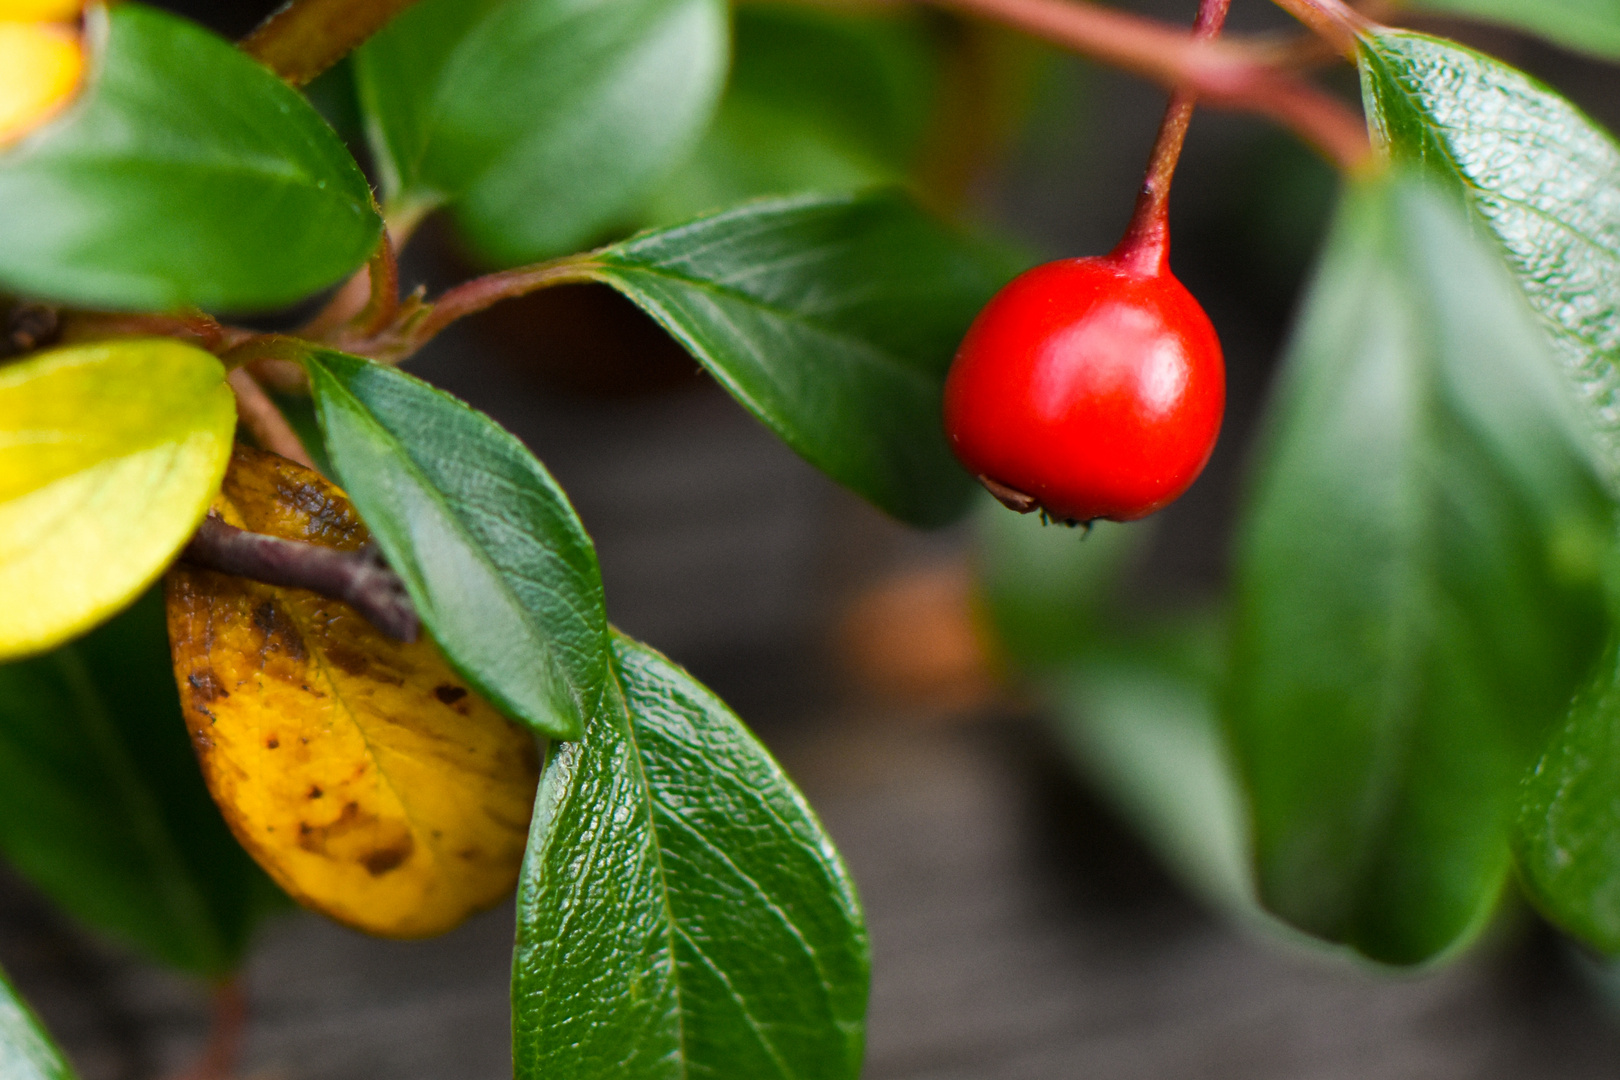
point(360, 772)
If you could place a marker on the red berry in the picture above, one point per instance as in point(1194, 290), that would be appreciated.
point(1088, 388)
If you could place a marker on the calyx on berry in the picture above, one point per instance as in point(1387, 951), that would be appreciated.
point(1093, 388)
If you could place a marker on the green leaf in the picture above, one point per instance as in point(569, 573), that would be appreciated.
point(818, 100)
point(540, 123)
point(1140, 718)
point(497, 563)
point(102, 805)
point(681, 912)
point(1568, 841)
point(832, 320)
point(187, 174)
point(109, 455)
point(1538, 174)
point(26, 1051)
point(1589, 26)
point(1418, 583)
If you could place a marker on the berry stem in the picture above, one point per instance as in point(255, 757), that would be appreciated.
point(1145, 247)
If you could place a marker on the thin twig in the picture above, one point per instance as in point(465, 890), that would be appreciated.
point(306, 37)
point(264, 420)
point(226, 1030)
point(358, 578)
point(471, 297)
point(1221, 73)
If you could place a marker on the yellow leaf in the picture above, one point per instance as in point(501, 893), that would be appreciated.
point(108, 456)
point(360, 772)
point(40, 10)
point(40, 67)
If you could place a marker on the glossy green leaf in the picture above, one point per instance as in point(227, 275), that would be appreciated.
point(1418, 578)
point(1590, 26)
point(102, 805)
point(1569, 836)
point(1539, 175)
point(681, 912)
point(26, 1051)
point(497, 563)
point(186, 174)
point(818, 100)
point(539, 123)
point(109, 455)
point(832, 320)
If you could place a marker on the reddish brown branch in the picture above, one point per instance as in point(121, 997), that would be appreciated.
point(306, 37)
point(1333, 21)
point(1220, 73)
point(264, 421)
point(471, 297)
point(358, 578)
point(226, 1031)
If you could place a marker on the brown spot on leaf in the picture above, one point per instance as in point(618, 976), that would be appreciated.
point(315, 792)
point(382, 860)
point(347, 660)
point(449, 694)
point(207, 686)
point(272, 743)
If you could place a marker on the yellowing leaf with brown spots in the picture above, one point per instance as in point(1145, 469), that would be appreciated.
point(360, 772)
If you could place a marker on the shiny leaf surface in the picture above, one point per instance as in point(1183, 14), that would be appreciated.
point(832, 320)
point(108, 457)
point(356, 769)
point(1538, 174)
point(1417, 586)
point(186, 174)
point(1569, 838)
point(487, 544)
point(26, 1051)
point(539, 123)
point(102, 807)
point(681, 913)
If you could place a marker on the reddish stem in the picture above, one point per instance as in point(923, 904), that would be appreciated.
point(1334, 21)
point(383, 273)
point(1145, 247)
point(1222, 73)
point(229, 1025)
point(264, 421)
point(471, 297)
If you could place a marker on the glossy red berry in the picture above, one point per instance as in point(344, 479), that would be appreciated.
point(1088, 388)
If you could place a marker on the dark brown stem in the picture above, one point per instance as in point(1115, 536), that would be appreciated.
point(28, 326)
point(306, 37)
point(1146, 244)
point(1223, 74)
point(358, 578)
point(264, 421)
point(226, 1030)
